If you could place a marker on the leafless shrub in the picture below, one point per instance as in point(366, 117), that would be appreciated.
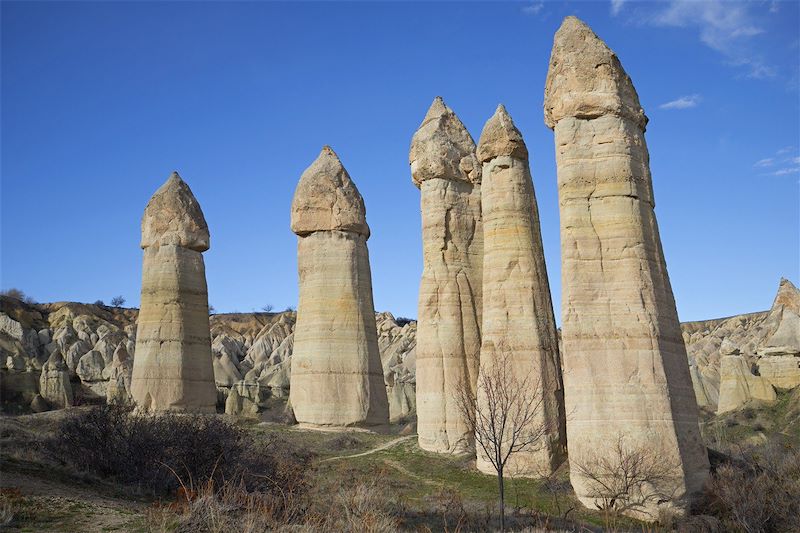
point(161, 453)
point(17, 295)
point(364, 509)
point(626, 479)
point(758, 491)
point(508, 419)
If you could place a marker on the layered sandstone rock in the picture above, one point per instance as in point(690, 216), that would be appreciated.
point(738, 385)
point(173, 369)
point(54, 385)
point(118, 374)
point(625, 366)
point(336, 378)
point(446, 170)
point(768, 344)
point(519, 329)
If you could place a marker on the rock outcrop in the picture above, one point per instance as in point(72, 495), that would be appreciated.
point(336, 377)
point(118, 374)
point(625, 363)
point(446, 170)
point(519, 328)
point(767, 344)
point(173, 369)
point(738, 385)
point(54, 385)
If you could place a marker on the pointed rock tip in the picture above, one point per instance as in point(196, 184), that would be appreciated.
point(501, 137)
point(173, 216)
point(586, 79)
point(326, 199)
point(442, 147)
point(787, 297)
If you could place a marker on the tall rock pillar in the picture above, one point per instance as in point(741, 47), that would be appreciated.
point(448, 174)
point(519, 328)
point(337, 377)
point(626, 374)
point(173, 368)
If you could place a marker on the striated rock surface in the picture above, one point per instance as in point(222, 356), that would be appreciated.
point(118, 374)
point(337, 377)
point(173, 369)
point(446, 170)
point(625, 363)
point(766, 341)
point(519, 327)
point(54, 385)
point(738, 385)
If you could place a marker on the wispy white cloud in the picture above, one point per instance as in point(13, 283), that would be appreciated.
point(726, 27)
point(787, 171)
point(684, 102)
point(616, 6)
point(788, 165)
point(533, 9)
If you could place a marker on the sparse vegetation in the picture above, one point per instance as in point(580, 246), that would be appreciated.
point(628, 479)
point(267, 308)
point(18, 295)
point(117, 301)
point(101, 303)
point(503, 413)
point(159, 454)
point(755, 490)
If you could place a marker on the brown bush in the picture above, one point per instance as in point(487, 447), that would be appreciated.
point(159, 454)
point(758, 491)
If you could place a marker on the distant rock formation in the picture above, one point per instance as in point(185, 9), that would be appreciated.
point(519, 327)
point(766, 348)
point(337, 377)
point(173, 370)
point(54, 385)
point(447, 172)
point(625, 363)
point(118, 373)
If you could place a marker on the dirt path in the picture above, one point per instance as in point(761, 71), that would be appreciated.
point(51, 506)
point(382, 447)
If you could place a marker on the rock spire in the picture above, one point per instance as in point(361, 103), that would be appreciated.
point(446, 170)
point(519, 328)
point(337, 377)
point(173, 369)
point(625, 368)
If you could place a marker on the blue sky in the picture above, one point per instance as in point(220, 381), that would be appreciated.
point(101, 101)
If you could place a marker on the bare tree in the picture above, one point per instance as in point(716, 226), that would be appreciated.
point(117, 301)
point(267, 308)
point(627, 479)
point(509, 419)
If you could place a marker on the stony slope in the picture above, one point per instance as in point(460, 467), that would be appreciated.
point(733, 360)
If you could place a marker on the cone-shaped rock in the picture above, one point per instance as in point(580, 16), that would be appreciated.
point(519, 328)
point(336, 378)
point(173, 369)
point(626, 374)
point(54, 384)
point(448, 174)
point(118, 374)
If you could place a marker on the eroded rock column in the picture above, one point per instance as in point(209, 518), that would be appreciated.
point(445, 169)
point(336, 378)
point(173, 368)
point(519, 328)
point(626, 374)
